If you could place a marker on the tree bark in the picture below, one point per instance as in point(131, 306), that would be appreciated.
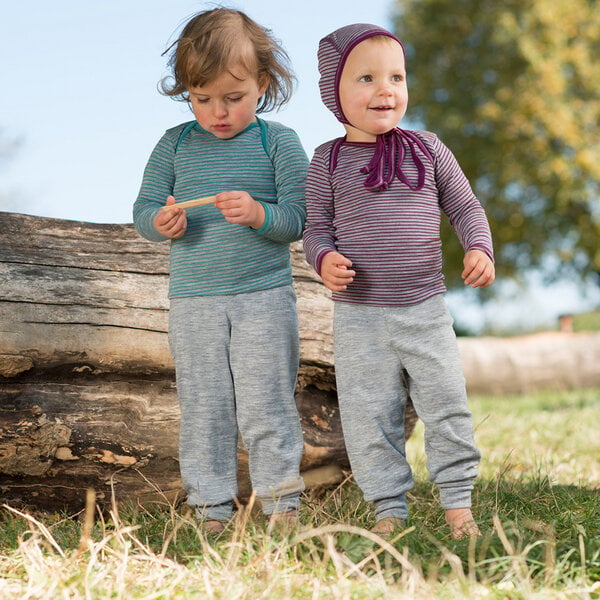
point(87, 390)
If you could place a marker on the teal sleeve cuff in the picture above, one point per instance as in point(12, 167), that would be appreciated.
point(266, 226)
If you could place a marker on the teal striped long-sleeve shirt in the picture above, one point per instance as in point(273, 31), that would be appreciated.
point(216, 257)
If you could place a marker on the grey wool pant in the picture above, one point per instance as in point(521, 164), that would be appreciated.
point(372, 346)
point(236, 359)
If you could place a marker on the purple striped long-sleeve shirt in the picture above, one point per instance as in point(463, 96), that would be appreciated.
point(392, 237)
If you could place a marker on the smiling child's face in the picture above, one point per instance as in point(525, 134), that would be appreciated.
point(373, 93)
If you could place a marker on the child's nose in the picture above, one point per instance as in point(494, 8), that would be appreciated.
point(219, 109)
point(385, 88)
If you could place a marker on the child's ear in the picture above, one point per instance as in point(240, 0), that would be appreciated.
point(263, 84)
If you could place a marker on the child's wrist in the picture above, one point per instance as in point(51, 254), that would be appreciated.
point(260, 215)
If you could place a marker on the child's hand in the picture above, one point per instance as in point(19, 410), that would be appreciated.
point(335, 271)
point(240, 208)
point(171, 223)
point(479, 269)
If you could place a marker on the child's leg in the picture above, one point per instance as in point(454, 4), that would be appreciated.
point(430, 355)
point(372, 399)
point(199, 339)
point(264, 363)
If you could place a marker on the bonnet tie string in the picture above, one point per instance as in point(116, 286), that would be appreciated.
point(390, 150)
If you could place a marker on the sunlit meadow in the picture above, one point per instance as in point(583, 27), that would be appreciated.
point(537, 501)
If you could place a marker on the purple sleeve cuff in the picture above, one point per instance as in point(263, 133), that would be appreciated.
point(484, 249)
point(319, 260)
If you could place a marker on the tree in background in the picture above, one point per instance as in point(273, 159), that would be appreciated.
point(513, 88)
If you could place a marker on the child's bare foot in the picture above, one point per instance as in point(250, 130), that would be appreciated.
point(213, 527)
point(284, 521)
point(388, 526)
point(461, 522)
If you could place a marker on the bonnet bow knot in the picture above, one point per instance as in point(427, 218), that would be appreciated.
point(386, 163)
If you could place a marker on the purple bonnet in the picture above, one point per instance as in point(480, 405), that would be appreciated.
point(390, 147)
point(333, 52)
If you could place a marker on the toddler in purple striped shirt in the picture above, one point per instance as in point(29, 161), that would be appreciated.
point(374, 202)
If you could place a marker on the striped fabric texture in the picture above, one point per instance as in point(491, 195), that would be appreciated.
point(392, 237)
point(216, 257)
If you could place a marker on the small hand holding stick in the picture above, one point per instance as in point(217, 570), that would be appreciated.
point(236, 207)
point(171, 223)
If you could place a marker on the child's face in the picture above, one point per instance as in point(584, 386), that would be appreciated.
point(373, 92)
point(226, 105)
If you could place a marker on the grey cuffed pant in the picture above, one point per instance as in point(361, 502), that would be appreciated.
point(372, 346)
point(236, 360)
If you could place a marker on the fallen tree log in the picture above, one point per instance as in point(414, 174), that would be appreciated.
point(527, 363)
point(87, 392)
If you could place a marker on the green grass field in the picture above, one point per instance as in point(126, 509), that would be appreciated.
point(589, 321)
point(537, 501)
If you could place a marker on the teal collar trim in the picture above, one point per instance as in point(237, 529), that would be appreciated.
point(259, 123)
point(195, 125)
point(263, 135)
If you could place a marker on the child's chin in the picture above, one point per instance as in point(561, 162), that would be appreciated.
point(384, 128)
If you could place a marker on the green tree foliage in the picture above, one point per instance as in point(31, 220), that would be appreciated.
point(513, 88)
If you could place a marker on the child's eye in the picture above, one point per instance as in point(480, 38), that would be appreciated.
point(366, 78)
point(234, 98)
point(397, 78)
point(200, 100)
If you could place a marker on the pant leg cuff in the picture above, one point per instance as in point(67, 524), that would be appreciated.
point(272, 506)
point(455, 498)
point(391, 507)
point(214, 512)
point(393, 513)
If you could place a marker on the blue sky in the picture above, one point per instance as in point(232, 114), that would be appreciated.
point(79, 90)
point(79, 94)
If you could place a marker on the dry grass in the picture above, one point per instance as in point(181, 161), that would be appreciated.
point(537, 501)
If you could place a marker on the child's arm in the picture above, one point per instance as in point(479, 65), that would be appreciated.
point(319, 236)
point(466, 216)
point(157, 184)
point(479, 269)
point(284, 221)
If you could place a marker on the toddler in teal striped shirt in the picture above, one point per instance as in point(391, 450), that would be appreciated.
point(233, 328)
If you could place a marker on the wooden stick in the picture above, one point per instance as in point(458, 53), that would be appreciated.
point(190, 203)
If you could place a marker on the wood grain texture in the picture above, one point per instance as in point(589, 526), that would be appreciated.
point(87, 391)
